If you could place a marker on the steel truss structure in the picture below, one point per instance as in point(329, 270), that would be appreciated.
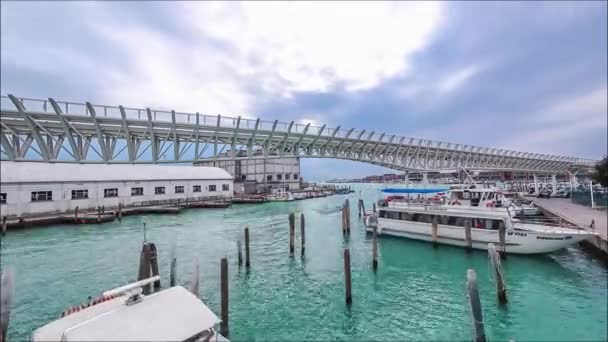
point(54, 131)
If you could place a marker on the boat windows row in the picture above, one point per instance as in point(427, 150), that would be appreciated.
point(442, 219)
point(41, 196)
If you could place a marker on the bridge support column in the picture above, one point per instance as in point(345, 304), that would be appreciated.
point(425, 179)
point(553, 183)
point(536, 189)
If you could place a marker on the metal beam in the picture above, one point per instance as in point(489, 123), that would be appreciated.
point(31, 126)
point(125, 127)
point(75, 148)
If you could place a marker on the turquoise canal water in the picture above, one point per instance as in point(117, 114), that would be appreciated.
point(418, 292)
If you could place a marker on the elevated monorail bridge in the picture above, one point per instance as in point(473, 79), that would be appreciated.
point(67, 132)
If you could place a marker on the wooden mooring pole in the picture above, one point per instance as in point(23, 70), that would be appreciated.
point(4, 225)
point(247, 247)
point(501, 288)
point(173, 269)
point(303, 233)
point(347, 215)
point(467, 235)
point(475, 304)
point(343, 211)
point(76, 214)
point(144, 266)
point(347, 277)
point(502, 232)
point(119, 212)
point(292, 232)
point(434, 231)
point(375, 249)
point(362, 208)
point(224, 295)
point(240, 254)
point(154, 264)
point(374, 207)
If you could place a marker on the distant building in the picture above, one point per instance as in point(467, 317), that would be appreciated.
point(258, 174)
point(35, 188)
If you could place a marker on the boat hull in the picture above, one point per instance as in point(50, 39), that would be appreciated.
point(517, 241)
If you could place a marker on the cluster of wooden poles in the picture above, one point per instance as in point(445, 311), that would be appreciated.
point(149, 267)
point(473, 292)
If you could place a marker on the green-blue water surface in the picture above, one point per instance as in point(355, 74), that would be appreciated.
point(418, 292)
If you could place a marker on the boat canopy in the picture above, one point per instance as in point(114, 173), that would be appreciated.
point(412, 191)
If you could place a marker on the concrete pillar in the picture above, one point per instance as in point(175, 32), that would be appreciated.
point(407, 179)
point(573, 181)
point(554, 183)
point(425, 179)
point(536, 189)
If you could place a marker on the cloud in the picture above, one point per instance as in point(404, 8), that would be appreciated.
point(566, 119)
point(457, 79)
point(313, 46)
point(520, 75)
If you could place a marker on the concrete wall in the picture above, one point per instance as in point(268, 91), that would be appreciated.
point(258, 170)
point(18, 195)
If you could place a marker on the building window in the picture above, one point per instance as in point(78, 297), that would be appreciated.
point(211, 187)
point(269, 178)
point(179, 189)
point(137, 191)
point(80, 194)
point(287, 176)
point(3, 198)
point(243, 177)
point(159, 190)
point(295, 176)
point(38, 196)
point(110, 192)
point(225, 187)
point(279, 177)
point(196, 188)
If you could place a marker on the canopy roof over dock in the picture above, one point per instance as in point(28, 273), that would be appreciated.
point(35, 172)
point(412, 191)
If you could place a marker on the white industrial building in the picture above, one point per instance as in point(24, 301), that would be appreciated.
point(259, 174)
point(35, 187)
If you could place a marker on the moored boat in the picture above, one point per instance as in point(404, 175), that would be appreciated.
point(125, 314)
point(415, 220)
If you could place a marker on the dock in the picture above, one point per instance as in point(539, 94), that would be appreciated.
point(580, 216)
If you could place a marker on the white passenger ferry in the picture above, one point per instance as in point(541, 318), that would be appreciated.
point(413, 218)
point(125, 314)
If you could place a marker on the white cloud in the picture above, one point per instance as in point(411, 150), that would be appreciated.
point(458, 78)
point(315, 45)
point(236, 51)
point(563, 122)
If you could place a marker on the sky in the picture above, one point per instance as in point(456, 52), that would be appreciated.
point(527, 76)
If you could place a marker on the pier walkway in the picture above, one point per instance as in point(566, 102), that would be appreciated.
point(579, 215)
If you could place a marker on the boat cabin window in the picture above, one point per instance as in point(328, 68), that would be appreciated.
point(457, 221)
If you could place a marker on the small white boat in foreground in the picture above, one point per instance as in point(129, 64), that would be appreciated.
point(125, 314)
point(414, 220)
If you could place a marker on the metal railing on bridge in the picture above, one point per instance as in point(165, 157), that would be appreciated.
point(280, 138)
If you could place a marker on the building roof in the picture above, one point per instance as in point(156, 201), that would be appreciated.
point(35, 172)
point(173, 314)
